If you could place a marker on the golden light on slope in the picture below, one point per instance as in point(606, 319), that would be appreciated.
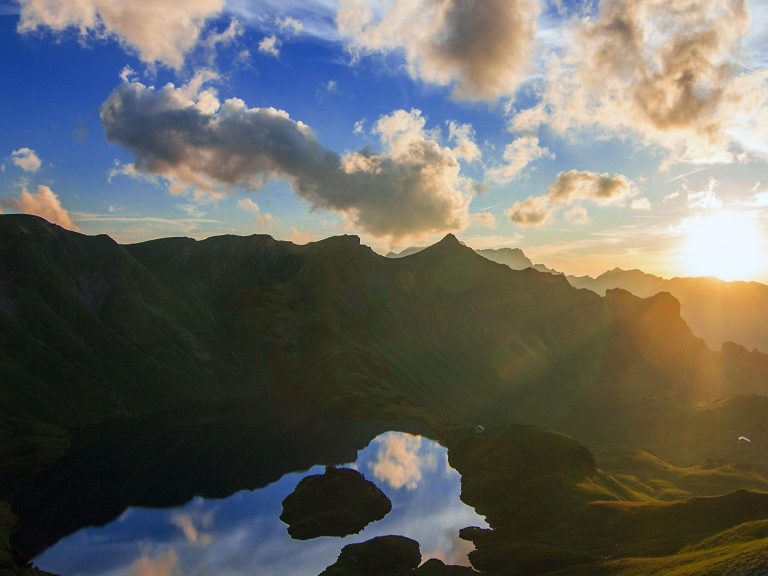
point(725, 244)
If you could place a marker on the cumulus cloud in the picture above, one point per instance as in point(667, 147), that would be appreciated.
point(43, 203)
point(270, 46)
point(399, 462)
point(412, 187)
point(640, 204)
point(572, 186)
point(518, 154)
point(674, 82)
point(480, 47)
point(26, 159)
point(463, 138)
point(159, 31)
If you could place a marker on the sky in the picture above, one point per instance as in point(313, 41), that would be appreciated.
point(592, 134)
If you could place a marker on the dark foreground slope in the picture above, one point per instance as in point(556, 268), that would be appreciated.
point(97, 334)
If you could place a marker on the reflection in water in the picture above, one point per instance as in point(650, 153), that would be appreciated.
point(242, 534)
point(399, 461)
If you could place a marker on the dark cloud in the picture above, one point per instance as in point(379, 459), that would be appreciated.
point(182, 134)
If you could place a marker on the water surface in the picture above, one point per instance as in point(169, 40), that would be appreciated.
point(242, 534)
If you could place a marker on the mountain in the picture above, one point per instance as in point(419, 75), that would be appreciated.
point(331, 337)
point(515, 258)
point(716, 310)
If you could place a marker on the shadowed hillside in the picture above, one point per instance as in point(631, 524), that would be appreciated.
point(94, 333)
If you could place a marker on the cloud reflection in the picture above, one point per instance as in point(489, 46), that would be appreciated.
point(399, 462)
point(248, 537)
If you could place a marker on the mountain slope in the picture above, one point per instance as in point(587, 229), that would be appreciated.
point(716, 310)
point(92, 330)
point(94, 333)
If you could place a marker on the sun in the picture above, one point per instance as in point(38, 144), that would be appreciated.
point(726, 244)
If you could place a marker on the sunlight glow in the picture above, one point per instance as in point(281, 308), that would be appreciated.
point(728, 245)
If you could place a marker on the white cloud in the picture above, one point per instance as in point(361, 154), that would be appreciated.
point(262, 219)
point(159, 31)
point(399, 462)
point(463, 138)
point(270, 46)
point(676, 81)
point(290, 26)
point(640, 204)
point(706, 198)
point(330, 86)
point(480, 47)
point(26, 159)
point(518, 154)
point(412, 188)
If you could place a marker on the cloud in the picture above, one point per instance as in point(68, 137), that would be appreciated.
point(463, 138)
point(26, 159)
point(411, 188)
point(578, 215)
point(290, 26)
point(485, 219)
point(640, 204)
point(398, 462)
point(675, 80)
point(43, 203)
point(517, 155)
point(270, 46)
point(263, 219)
point(331, 86)
point(159, 31)
point(534, 211)
point(570, 187)
point(480, 47)
point(706, 198)
point(192, 534)
point(164, 565)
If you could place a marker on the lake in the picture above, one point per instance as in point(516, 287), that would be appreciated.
point(242, 533)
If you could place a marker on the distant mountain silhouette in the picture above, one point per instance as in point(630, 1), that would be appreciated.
point(716, 310)
point(515, 258)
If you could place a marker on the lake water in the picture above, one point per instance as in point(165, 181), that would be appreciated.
point(242, 534)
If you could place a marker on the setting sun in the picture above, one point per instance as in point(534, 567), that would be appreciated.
point(728, 245)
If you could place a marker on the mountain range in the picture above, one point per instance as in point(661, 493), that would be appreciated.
point(331, 335)
point(718, 311)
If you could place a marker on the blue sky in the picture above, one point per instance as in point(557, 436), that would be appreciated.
point(526, 123)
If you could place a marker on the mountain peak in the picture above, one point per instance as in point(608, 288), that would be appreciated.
point(450, 240)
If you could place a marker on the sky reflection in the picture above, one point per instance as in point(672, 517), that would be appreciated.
point(243, 533)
